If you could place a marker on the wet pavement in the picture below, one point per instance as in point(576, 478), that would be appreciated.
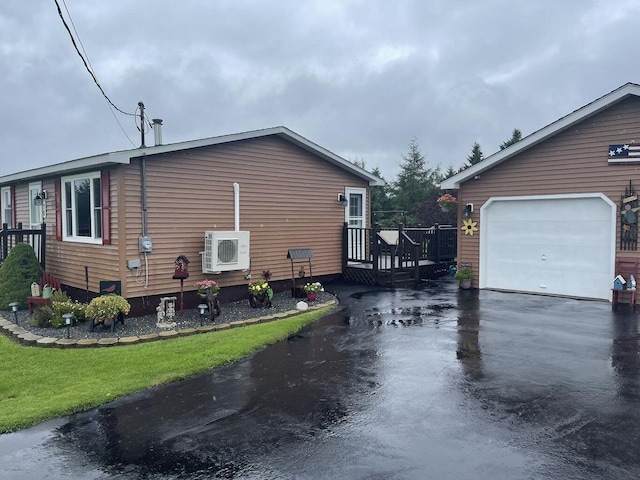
point(406, 384)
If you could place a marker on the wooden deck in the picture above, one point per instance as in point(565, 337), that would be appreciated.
point(374, 256)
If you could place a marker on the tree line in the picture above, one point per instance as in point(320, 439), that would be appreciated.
point(411, 198)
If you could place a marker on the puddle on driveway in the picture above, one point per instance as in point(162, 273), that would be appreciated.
point(429, 383)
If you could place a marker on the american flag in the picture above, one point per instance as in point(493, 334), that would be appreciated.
point(624, 150)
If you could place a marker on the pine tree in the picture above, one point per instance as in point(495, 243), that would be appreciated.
point(414, 183)
point(516, 136)
point(476, 155)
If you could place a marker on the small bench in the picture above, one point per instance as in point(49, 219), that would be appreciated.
point(47, 279)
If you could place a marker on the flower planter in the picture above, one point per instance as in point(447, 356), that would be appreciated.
point(312, 296)
point(261, 300)
point(444, 209)
point(465, 284)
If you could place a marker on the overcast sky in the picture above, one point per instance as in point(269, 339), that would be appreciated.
point(360, 78)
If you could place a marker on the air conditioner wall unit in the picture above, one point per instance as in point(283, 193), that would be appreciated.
point(225, 251)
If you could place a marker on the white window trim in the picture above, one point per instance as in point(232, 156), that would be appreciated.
point(5, 192)
point(63, 217)
point(37, 188)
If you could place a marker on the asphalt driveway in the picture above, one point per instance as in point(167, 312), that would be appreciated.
point(406, 384)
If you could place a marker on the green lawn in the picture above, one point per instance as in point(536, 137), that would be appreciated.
point(41, 383)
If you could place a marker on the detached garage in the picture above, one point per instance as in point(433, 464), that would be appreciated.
point(552, 212)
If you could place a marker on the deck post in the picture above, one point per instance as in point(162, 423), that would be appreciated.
point(375, 246)
point(400, 246)
point(345, 246)
point(5, 241)
point(43, 246)
point(437, 242)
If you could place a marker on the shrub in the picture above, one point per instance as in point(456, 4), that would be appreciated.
point(42, 316)
point(52, 315)
point(18, 272)
point(106, 307)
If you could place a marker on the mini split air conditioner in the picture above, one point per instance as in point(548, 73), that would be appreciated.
point(225, 252)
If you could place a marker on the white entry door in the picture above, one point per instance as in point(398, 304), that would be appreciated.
point(355, 216)
point(549, 244)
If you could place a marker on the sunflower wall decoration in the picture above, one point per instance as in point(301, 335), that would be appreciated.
point(469, 226)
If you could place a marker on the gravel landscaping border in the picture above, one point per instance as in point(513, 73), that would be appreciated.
point(141, 329)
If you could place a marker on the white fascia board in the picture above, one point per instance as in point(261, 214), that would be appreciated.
point(125, 156)
point(542, 134)
point(80, 164)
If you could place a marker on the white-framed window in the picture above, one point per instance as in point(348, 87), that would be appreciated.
point(81, 208)
point(35, 211)
point(5, 200)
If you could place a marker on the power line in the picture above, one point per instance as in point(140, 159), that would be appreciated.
point(86, 66)
point(109, 104)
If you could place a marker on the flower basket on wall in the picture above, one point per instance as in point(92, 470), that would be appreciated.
point(446, 202)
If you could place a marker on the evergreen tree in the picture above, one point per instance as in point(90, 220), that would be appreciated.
point(516, 136)
point(415, 182)
point(380, 199)
point(450, 172)
point(476, 155)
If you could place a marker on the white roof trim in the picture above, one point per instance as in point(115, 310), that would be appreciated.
point(539, 136)
point(125, 156)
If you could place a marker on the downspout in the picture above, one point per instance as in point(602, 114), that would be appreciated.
point(236, 204)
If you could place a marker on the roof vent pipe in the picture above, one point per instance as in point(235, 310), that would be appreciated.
point(157, 131)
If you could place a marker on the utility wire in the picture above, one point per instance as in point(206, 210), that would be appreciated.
point(85, 62)
point(91, 66)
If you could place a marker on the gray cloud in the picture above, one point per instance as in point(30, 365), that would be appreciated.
point(359, 78)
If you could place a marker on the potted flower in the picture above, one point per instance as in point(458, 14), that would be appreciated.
point(260, 293)
point(312, 290)
point(447, 202)
point(207, 288)
point(107, 309)
point(464, 276)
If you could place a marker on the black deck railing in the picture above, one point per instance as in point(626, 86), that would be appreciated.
point(397, 250)
point(37, 238)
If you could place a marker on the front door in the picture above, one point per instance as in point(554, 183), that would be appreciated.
point(355, 217)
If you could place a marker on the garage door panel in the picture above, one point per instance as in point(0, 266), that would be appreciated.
point(555, 246)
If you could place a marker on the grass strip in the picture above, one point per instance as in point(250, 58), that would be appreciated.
point(37, 384)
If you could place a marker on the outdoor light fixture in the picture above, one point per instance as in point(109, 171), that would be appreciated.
point(14, 309)
point(67, 320)
point(342, 200)
point(40, 200)
point(202, 307)
point(468, 210)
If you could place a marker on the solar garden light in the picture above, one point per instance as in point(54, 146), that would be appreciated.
point(67, 320)
point(202, 307)
point(14, 309)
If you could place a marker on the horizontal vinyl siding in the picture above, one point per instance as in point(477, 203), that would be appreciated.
point(67, 260)
point(573, 161)
point(287, 200)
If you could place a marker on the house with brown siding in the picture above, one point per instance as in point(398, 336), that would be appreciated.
point(556, 209)
point(126, 216)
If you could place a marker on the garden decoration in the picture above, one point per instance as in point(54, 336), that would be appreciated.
point(469, 227)
point(207, 287)
point(166, 311)
point(628, 222)
point(312, 290)
point(260, 294)
point(208, 290)
point(446, 202)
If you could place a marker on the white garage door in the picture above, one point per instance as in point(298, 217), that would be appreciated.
point(550, 245)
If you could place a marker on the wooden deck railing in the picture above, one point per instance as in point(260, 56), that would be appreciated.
point(37, 238)
point(391, 250)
